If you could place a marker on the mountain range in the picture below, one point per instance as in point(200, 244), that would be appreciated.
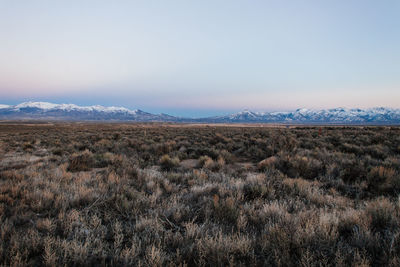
point(71, 112)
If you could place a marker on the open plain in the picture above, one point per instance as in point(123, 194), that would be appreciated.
point(208, 195)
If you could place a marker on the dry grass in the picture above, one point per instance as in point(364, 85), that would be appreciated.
point(159, 195)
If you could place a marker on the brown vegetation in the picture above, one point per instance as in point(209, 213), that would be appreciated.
point(159, 195)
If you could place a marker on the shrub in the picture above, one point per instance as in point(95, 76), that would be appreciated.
point(382, 214)
point(349, 223)
point(208, 163)
point(168, 163)
point(226, 156)
point(81, 162)
point(27, 146)
point(58, 152)
point(382, 179)
point(267, 163)
point(225, 211)
point(203, 159)
point(103, 160)
point(221, 161)
point(254, 191)
point(352, 172)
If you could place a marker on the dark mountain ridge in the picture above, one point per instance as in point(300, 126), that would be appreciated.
point(71, 112)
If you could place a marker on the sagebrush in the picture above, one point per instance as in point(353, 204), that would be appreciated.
point(176, 195)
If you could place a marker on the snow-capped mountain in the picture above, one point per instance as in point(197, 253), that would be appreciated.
point(331, 116)
point(50, 111)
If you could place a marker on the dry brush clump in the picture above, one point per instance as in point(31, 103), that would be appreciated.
point(175, 195)
point(167, 163)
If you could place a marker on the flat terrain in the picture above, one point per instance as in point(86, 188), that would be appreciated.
point(174, 195)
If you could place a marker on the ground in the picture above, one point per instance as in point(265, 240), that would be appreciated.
point(207, 195)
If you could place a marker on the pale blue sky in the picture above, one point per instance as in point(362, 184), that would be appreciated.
point(201, 57)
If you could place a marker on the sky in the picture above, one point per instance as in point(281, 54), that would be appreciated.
point(200, 58)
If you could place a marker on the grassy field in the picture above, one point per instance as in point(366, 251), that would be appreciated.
point(206, 195)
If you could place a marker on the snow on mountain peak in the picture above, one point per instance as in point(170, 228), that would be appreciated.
point(69, 107)
point(334, 115)
point(302, 110)
point(43, 110)
point(40, 105)
point(302, 115)
point(246, 113)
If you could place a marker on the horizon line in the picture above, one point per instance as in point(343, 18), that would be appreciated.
point(259, 111)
